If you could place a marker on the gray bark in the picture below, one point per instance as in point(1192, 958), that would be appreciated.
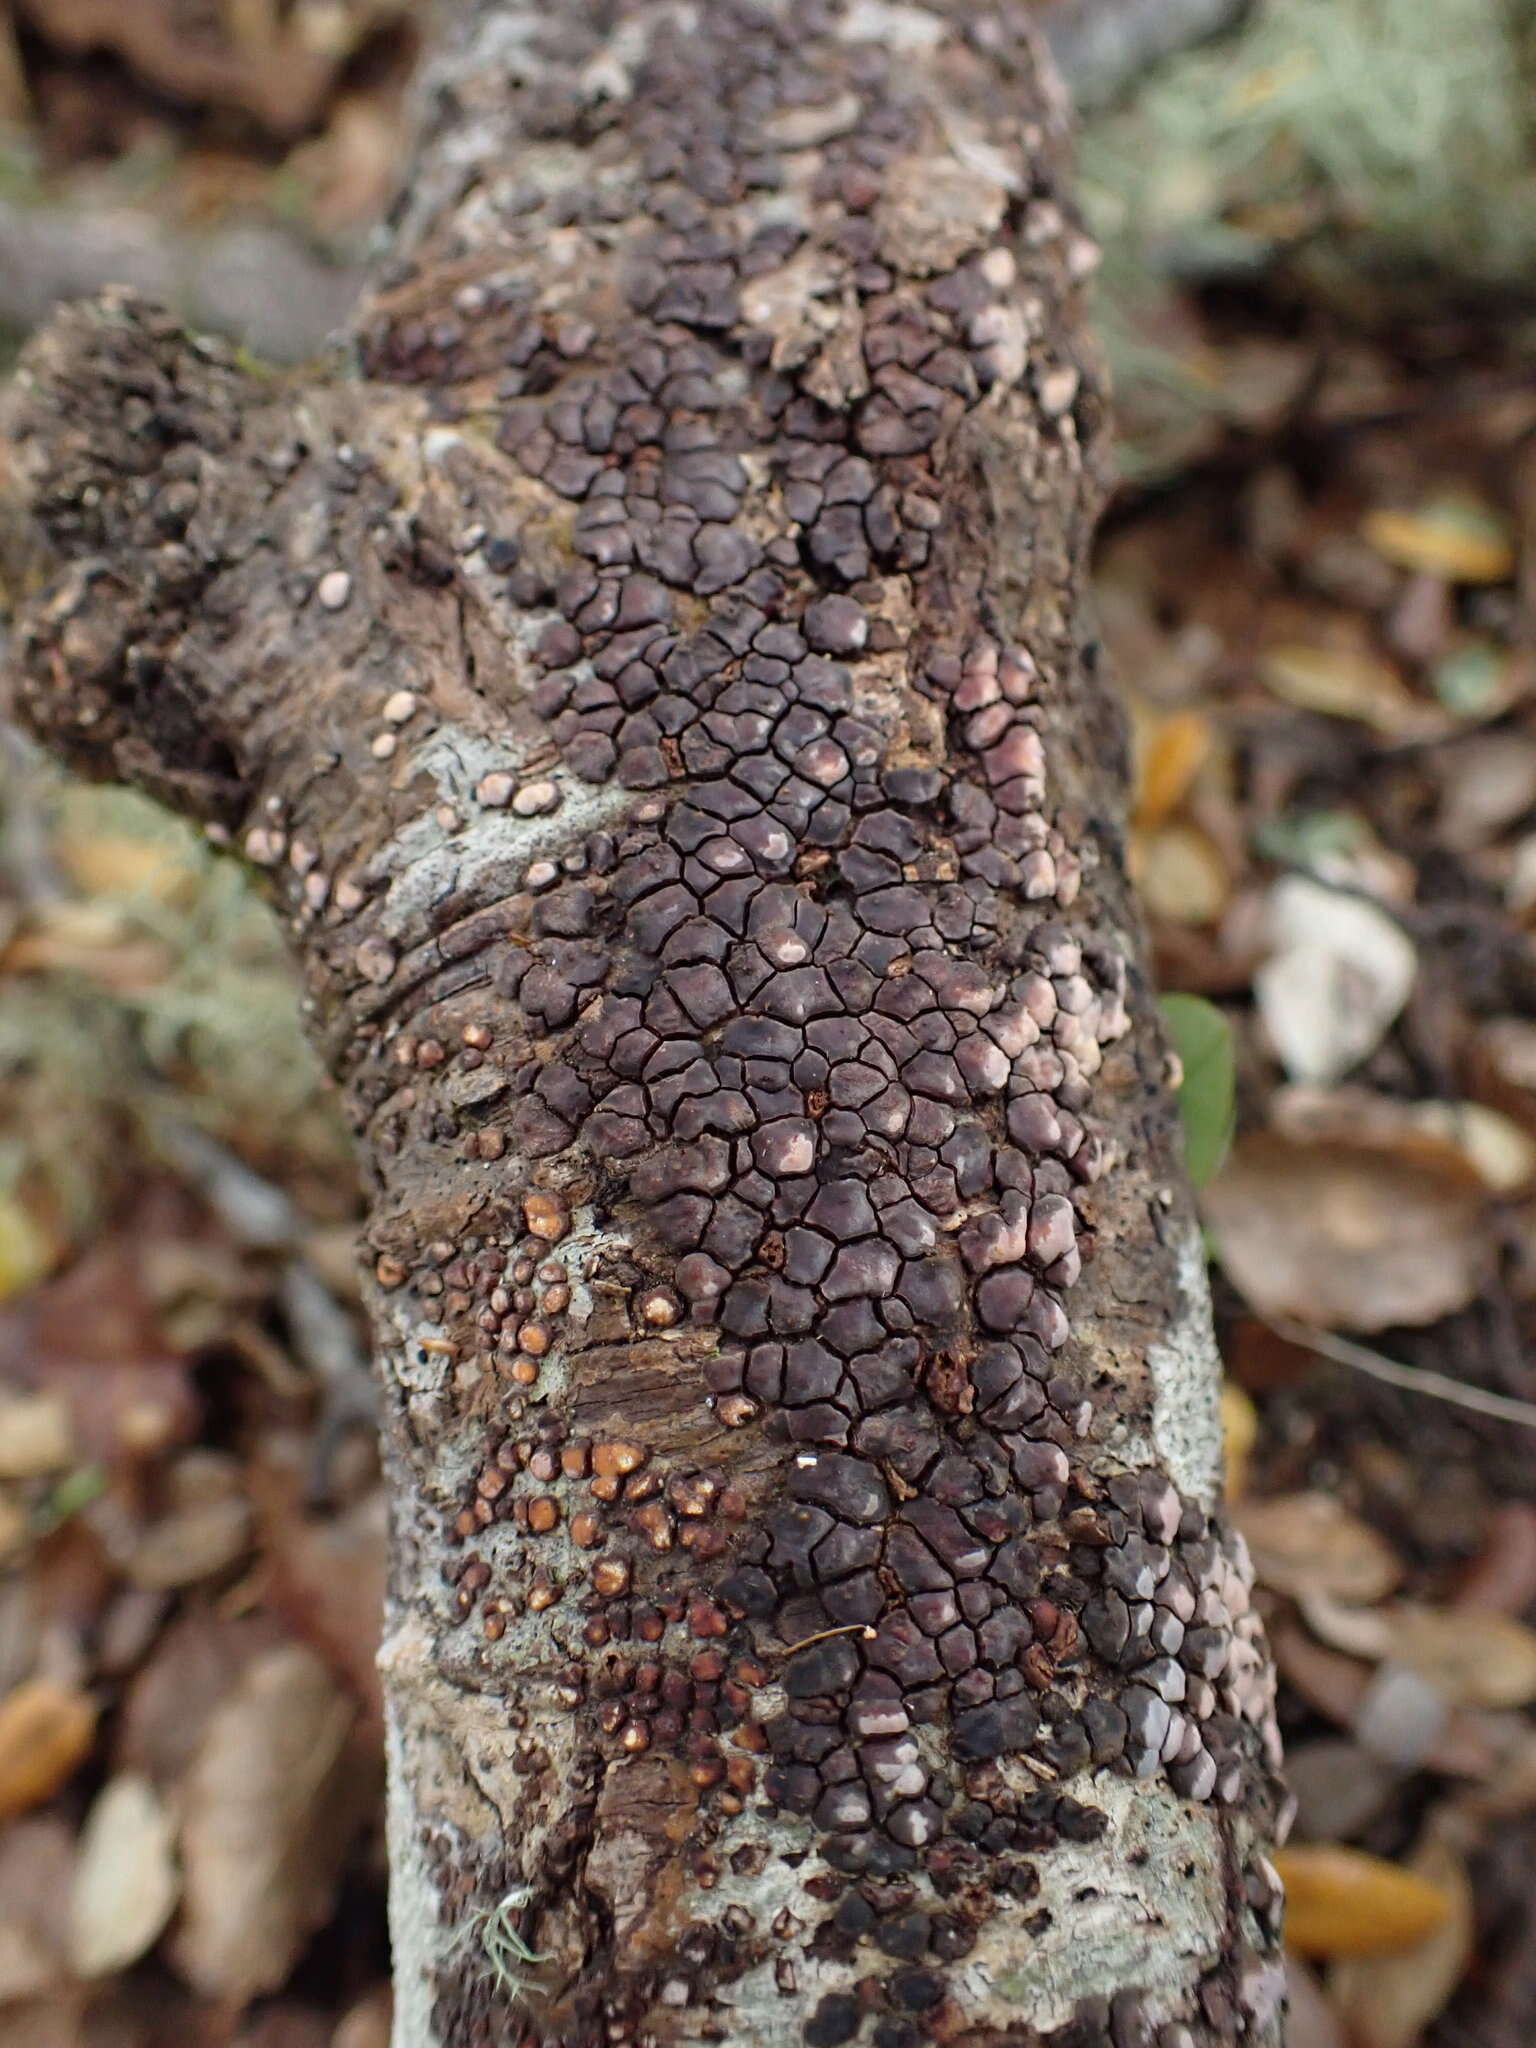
point(649, 672)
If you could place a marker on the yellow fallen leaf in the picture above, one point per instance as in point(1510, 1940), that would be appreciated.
point(1389, 2001)
point(37, 1436)
point(116, 864)
point(1181, 874)
point(1341, 1902)
point(1309, 1543)
point(1239, 1429)
point(45, 1733)
point(1171, 754)
point(1344, 683)
point(1453, 537)
point(26, 1252)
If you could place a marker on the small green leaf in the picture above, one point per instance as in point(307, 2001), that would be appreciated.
point(1469, 679)
point(1303, 838)
point(1202, 1038)
point(74, 1492)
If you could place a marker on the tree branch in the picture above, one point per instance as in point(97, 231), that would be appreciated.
point(654, 687)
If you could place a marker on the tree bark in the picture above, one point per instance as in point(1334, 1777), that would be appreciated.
point(650, 670)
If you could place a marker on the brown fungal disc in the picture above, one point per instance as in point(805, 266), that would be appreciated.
point(660, 1308)
point(546, 1216)
point(614, 1460)
point(542, 1593)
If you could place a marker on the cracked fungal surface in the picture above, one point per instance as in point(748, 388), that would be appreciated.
point(704, 852)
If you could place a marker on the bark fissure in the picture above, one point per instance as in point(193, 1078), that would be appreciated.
point(652, 684)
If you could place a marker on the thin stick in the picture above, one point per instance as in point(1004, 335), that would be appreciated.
point(850, 1628)
point(1412, 1379)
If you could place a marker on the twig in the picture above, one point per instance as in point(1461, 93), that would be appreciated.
point(825, 1635)
point(257, 1215)
point(326, 1340)
point(1412, 1379)
point(323, 1336)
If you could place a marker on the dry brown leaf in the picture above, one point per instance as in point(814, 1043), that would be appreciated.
point(366, 2024)
point(1473, 1659)
point(45, 1733)
point(205, 1527)
point(271, 1802)
point(1504, 1056)
point(1487, 783)
point(1466, 1140)
point(1509, 1791)
point(195, 1543)
point(349, 171)
point(194, 1666)
point(126, 1882)
point(1345, 1238)
point(1339, 1687)
point(1339, 1788)
point(325, 1573)
point(36, 1858)
point(1309, 1542)
point(1310, 2020)
point(281, 74)
point(93, 1338)
point(285, 2025)
point(57, 2021)
point(1501, 1579)
point(1342, 1902)
point(1389, 2001)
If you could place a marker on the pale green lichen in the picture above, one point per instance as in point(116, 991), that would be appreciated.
point(504, 1949)
point(1365, 144)
point(97, 1050)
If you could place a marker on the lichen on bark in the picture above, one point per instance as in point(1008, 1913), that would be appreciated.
point(650, 672)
